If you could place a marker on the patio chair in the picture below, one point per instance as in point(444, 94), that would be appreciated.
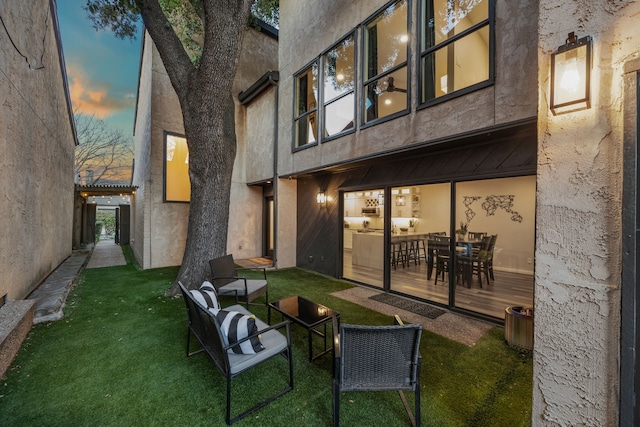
point(226, 280)
point(203, 323)
point(368, 358)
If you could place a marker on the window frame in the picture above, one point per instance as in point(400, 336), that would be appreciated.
point(307, 114)
point(166, 134)
point(424, 51)
point(353, 33)
point(364, 82)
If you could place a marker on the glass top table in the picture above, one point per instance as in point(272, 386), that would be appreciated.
point(309, 315)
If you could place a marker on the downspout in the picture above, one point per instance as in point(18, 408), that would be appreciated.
point(274, 82)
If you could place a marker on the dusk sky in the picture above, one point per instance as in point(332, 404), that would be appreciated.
point(102, 69)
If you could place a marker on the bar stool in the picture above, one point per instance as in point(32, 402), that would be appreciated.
point(410, 251)
point(398, 254)
point(420, 249)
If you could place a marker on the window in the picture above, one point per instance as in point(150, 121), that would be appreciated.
point(177, 186)
point(385, 73)
point(306, 106)
point(456, 46)
point(339, 84)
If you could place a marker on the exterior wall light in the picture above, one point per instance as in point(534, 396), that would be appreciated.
point(571, 75)
point(321, 198)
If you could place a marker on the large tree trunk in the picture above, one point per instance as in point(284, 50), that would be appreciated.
point(210, 173)
point(208, 114)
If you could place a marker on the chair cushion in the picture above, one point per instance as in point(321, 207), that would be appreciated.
point(273, 341)
point(236, 326)
point(206, 296)
point(238, 287)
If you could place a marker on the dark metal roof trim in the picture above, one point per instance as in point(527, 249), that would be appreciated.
point(270, 78)
point(269, 30)
point(53, 8)
point(448, 142)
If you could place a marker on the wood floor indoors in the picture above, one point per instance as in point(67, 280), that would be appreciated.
point(508, 288)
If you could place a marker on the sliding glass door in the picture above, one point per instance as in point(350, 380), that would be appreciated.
point(417, 214)
point(478, 257)
point(500, 274)
point(363, 240)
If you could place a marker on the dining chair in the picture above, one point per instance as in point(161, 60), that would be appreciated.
point(476, 235)
point(471, 263)
point(481, 263)
point(442, 256)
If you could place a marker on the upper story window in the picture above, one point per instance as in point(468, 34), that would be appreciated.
point(177, 186)
point(456, 46)
point(339, 73)
point(306, 106)
point(385, 74)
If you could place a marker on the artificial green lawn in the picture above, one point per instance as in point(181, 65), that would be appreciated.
point(117, 358)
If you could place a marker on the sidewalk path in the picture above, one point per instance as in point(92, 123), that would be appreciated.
point(51, 295)
point(106, 254)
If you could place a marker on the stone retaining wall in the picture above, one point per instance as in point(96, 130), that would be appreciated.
point(16, 318)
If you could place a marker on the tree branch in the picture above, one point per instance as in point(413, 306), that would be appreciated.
point(174, 57)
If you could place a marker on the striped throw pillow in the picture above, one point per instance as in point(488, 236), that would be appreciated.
point(236, 326)
point(206, 296)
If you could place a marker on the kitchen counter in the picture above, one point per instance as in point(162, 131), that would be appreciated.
point(368, 247)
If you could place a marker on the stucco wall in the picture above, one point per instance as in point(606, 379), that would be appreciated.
point(142, 146)
point(163, 226)
point(577, 294)
point(324, 23)
point(36, 149)
point(258, 137)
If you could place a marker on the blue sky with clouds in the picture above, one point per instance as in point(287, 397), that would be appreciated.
point(102, 69)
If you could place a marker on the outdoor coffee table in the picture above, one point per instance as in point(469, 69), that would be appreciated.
point(307, 314)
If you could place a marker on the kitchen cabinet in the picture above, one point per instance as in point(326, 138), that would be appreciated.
point(368, 250)
point(348, 238)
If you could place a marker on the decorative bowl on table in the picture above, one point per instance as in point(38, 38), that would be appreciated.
point(404, 229)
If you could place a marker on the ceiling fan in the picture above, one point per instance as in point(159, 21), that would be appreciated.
point(392, 88)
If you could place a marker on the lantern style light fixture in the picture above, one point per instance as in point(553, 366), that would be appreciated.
point(571, 75)
point(321, 198)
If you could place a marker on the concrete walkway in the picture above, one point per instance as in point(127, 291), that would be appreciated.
point(106, 254)
point(51, 295)
point(457, 327)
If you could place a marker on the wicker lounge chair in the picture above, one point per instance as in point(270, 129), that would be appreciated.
point(226, 280)
point(204, 325)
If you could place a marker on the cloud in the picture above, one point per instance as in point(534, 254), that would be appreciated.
point(95, 97)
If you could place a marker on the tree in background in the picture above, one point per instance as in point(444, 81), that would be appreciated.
point(201, 74)
point(108, 219)
point(104, 155)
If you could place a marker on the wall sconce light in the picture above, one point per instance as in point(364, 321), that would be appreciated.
point(321, 198)
point(571, 75)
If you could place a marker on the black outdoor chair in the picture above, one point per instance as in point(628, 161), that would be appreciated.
point(368, 358)
point(204, 326)
point(226, 280)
